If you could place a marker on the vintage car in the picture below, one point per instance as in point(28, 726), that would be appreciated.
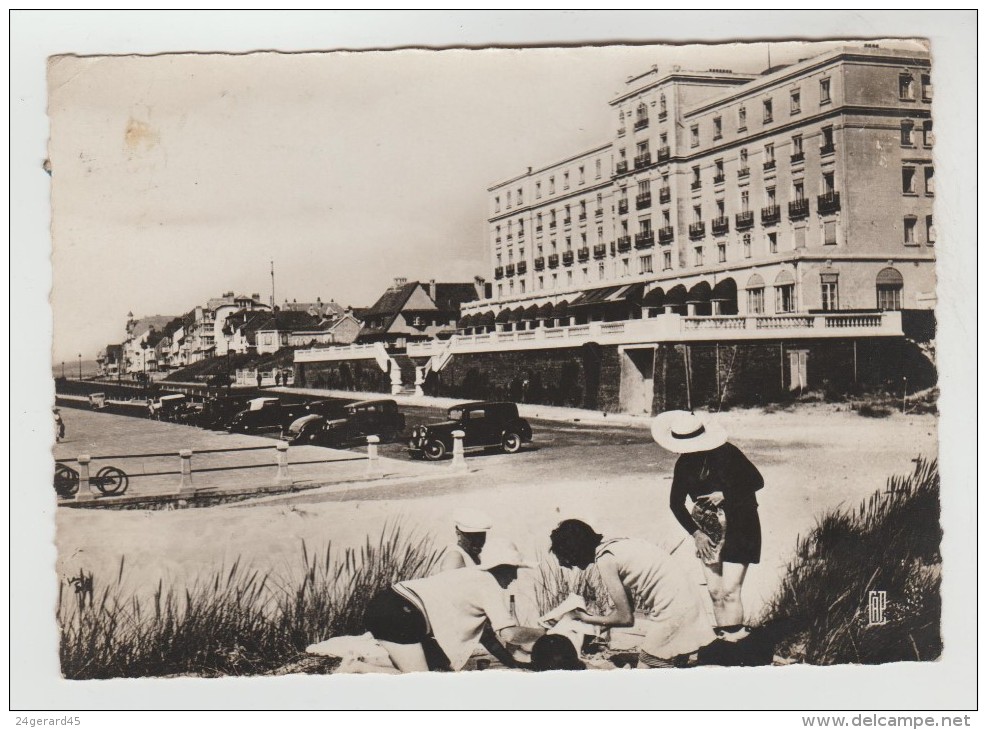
point(218, 412)
point(167, 407)
point(266, 414)
point(97, 401)
point(358, 420)
point(486, 424)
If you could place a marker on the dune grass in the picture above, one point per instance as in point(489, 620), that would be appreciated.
point(889, 543)
point(235, 622)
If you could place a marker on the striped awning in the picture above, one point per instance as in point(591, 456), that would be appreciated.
point(609, 295)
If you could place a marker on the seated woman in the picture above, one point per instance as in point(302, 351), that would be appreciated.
point(452, 609)
point(635, 571)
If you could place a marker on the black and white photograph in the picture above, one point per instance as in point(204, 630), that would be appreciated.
point(532, 360)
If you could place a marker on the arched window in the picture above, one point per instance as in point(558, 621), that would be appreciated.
point(889, 288)
point(784, 292)
point(755, 294)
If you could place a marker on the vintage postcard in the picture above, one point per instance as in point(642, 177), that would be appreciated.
point(602, 359)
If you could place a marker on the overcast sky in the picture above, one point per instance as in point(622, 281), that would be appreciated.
point(176, 178)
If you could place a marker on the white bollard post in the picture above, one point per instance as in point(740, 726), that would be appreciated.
point(86, 490)
point(185, 485)
point(419, 381)
point(374, 470)
point(458, 455)
point(283, 477)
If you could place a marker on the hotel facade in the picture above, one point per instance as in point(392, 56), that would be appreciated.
point(740, 237)
point(808, 188)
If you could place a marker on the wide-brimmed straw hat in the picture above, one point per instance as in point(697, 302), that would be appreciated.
point(682, 432)
point(500, 552)
point(472, 520)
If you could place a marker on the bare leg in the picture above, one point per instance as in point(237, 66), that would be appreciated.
point(725, 582)
point(406, 657)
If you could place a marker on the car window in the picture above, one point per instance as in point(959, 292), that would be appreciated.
point(455, 414)
point(477, 414)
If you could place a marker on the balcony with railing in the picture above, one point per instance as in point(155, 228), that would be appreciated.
point(641, 124)
point(583, 254)
point(538, 228)
point(719, 178)
point(600, 251)
point(666, 234)
point(567, 258)
point(662, 116)
point(621, 131)
point(622, 167)
point(540, 263)
point(522, 267)
point(553, 225)
point(499, 272)
point(697, 184)
point(645, 239)
point(720, 225)
point(697, 230)
point(623, 243)
point(798, 157)
point(642, 160)
point(598, 212)
point(769, 164)
point(744, 172)
point(567, 221)
point(744, 220)
point(664, 195)
point(497, 240)
point(827, 149)
point(622, 206)
point(643, 201)
point(509, 270)
point(770, 214)
point(553, 261)
point(663, 154)
point(798, 209)
point(582, 217)
point(828, 203)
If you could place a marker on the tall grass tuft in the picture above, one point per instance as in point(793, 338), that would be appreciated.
point(889, 543)
point(234, 622)
point(553, 584)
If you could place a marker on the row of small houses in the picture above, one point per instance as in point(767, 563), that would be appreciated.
point(241, 324)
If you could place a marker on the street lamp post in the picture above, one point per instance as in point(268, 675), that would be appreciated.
point(80, 366)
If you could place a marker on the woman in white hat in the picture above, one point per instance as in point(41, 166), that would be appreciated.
point(472, 527)
point(721, 482)
point(452, 608)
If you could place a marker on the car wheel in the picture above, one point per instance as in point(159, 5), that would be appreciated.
point(511, 443)
point(435, 450)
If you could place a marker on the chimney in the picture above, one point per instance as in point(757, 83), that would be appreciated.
point(431, 289)
point(478, 282)
point(400, 281)
point(255, 297)
point(318, 300)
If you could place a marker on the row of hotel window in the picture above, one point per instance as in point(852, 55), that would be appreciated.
point(826, 147)
point(909, 229)
point(519, 199)
point(906, 92)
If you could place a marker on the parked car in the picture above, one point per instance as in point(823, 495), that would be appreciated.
point(220, 380)
point(218, 412)
point(167, 407)
point(486, 424)
point(358, 420)
point(266, 414)
point(328, 408)
point(97, 401)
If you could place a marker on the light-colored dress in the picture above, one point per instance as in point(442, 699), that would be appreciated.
point(679, 624)
point(457, 605)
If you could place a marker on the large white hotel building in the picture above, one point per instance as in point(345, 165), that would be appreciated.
point(807, 188)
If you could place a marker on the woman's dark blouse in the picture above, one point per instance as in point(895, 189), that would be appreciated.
point(723, 469)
